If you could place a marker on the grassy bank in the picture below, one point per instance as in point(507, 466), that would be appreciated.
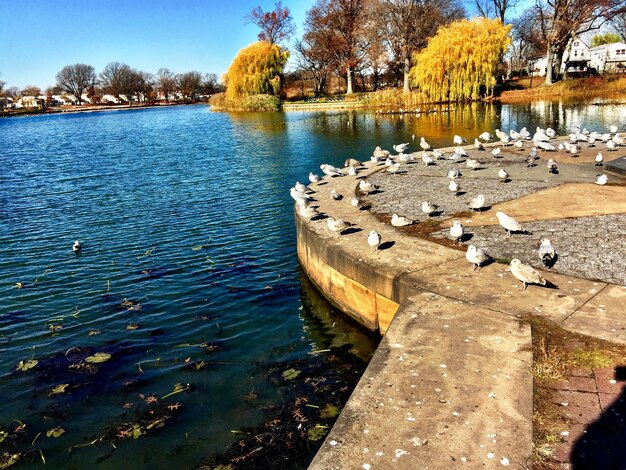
point(577, 87)
point(221, 102)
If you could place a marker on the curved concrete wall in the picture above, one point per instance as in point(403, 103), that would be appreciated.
point(368, 296)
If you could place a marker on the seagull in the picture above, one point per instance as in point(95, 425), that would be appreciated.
point(599, 159)
point(552, 168)
point(380, 153)
point(619, 140)
point(373, 240)
point(526, 274)
point(454, 173)
point(518, 144)
point(514, 134)
point(613, 129)
point(300, 198)
point(399, 221)
point(534, 153)
point(336, 225)
point(366, 187)
point(478, 145)
point(476, 256)
point(458, 140)
point(427, 159)
point(524, 133)
point(404, 158)
point(592, 141)
point(486, 136)
point(499, 133)
point(547, 253)
point(540, 136)
point(456, 231)
point(438, 154)
point(330, 170)
point(573, 150)
point(496, 152)
point(545, 146)
point(352, 171)
point(423, 144)
point(429, 208)
point(530, 161)
point(473, 164)
point(611, 146)
point(551, 133)
point(602, 179)
point(460, 151)
point(393, 168)
point(477, 203)
point(335, 195)
point(508, 223)
point(300, 187)
point(354, 202)
point(454, 187)
point(503, 175)
point(389, 161)
point(352, 162)
point(506, 140)
point(400, 148)
point(307, 211)
point(76, 246)
point(313, 178)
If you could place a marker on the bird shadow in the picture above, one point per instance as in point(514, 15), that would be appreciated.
point(466, 237)
point(551, 262)
point(320, 217)
point(401, 172)
point(461, 193)
point(322, 183)
point(386, 245)
point(435, 214)
point(366, 207)
point(550, 285)
point(376, 191)
point(602, 443)
point(350, 231)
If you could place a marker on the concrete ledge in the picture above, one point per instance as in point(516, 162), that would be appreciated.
point(449, 386)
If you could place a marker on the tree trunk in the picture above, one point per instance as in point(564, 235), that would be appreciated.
point(349, 81)
point(549, 68)
point(407, 67)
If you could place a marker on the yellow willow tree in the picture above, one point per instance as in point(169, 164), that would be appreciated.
point(461, 60)
point(256, 69)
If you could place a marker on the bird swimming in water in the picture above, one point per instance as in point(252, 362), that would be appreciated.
point(547, 253)
point(526, 274)
point(77, 247)
point(476, 256)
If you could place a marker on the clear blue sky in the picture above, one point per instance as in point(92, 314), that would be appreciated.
point(38, 37)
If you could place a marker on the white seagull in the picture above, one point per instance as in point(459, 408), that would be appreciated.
point(476, 256)
point(503, 175)
point(429, 208)
point(602, 179)
point(456, 231)
point(76, 246)
point(313, 178)
point(454, 187)
point(458, 140)
point(509, 223)
point(336, 225)
point(400, 148)
point(330, 170)
point(373, 240)
point(599, 159)
point(477, 203)
point(526, 274)
point(486, 136)
point(423, 144)
point(399, 221)
point(547, 253)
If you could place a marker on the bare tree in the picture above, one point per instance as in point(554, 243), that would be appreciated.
point(12, 92)
point(189, 84)
point(31, 90)
point(618, 25)
point(166, 83)
point(559, 21)
point(494, 8)
point(75, 79)
point(409, 24)
point(276, 25)
point(211, 84)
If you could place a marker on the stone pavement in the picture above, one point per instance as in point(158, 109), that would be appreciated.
point(396, 419)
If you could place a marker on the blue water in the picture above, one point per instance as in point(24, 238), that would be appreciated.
point(188, 255)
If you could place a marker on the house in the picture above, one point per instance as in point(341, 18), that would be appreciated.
point(608, 58)
point(27, 102)
point(110, 99)
point(576, 58)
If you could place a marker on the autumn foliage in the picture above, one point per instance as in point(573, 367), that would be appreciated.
point(256, 69)
point(461, 60)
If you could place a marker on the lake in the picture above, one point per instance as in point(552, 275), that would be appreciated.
point(184, 330)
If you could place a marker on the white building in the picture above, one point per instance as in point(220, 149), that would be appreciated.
point(608, 58)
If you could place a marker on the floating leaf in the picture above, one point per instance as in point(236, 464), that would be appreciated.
point(137, 431)
point(329, 411)
point(3, 435)
point(156, 424)
point(177, 389)
point(94, 332)
point(7, 459)
point(58, 389)
point(291, 374)
point(19, 285)
point(55, 432)
point(98, 357)
point(318, 432)
point(132, 326)
point(25, 365)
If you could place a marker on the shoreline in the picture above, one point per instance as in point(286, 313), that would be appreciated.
point(92, 109)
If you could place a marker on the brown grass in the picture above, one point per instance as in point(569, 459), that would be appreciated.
point(565, 88)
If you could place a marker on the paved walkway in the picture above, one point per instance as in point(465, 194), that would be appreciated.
point(409, 407)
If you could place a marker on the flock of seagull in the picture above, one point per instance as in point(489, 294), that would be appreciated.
point(541, 140)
